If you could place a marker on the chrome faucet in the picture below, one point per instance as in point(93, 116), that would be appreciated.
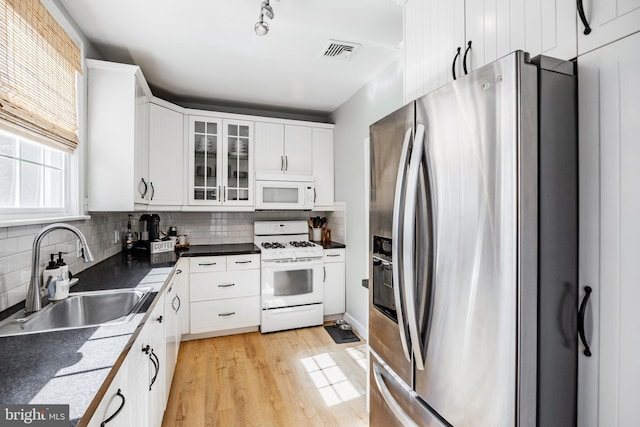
point(36, 292)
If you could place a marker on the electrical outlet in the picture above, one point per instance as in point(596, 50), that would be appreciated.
point(116, 236)
point(78, 249)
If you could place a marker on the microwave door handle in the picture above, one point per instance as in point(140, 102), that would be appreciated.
point(408, 243)
point(396, 246)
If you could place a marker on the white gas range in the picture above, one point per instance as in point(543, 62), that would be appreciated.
point(291, 275)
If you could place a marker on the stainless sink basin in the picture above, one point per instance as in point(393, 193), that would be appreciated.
point(79, 310)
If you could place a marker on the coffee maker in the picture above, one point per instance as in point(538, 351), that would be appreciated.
point(149, 229)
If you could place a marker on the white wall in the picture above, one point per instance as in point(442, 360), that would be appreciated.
point(375, 100)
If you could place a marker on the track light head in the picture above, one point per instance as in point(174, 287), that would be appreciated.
point(261, 28)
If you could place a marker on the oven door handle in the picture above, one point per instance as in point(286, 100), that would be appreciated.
point(308, 262)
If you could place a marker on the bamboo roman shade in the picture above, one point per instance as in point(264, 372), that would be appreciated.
point(38, 64)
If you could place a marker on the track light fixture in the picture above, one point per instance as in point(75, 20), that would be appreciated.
point(262, 28)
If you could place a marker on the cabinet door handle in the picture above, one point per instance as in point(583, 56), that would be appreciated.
point(206, 264)
point(115, 414)
point(143, 193)
point(146, 349)
point(173, 305)
point(581, 314)
point(324, 269)
point(178, 271)
point(243, 262)
point(153, 190)
point(226, 285)
point(159, 319)
point(583, 18)
point(453, 66)
point(218, 196)
point(156, 364)
point(227, 314)
point(464, 59)
point(282, 163)
point(314, 194)
point(286, 163)
point(224, 193)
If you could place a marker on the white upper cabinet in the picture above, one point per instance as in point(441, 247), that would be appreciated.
point(499, 27)
point(433, 30)
point(608, 20)
point(323, 172)
point(117, 139)
point(269, 157)
point(438, 32)
point(283, 149)
point(297, 150)
point(220, 162)
point(166, 148)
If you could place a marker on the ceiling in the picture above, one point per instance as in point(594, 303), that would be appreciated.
point(206, 51)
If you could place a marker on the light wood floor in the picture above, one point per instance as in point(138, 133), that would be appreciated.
point(289, 378)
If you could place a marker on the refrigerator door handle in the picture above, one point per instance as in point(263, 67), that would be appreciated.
point(409, 241)
point(395, 407)
point(396, 240)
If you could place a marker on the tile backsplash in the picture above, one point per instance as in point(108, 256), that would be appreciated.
point(201, 228)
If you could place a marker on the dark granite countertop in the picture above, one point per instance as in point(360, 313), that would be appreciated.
point(213, 250)
point(331, 245)
point(73, 366)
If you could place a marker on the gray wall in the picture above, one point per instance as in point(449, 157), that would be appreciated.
point(375, 100)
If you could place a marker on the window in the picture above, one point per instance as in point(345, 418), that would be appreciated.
point(33, 177)
point(40, 85)
point(38, 65)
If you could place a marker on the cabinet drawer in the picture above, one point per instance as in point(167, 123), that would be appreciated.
point(226, 284)
point(205, 264)
point(243, 262)
point(218, 315)
point(334, 255)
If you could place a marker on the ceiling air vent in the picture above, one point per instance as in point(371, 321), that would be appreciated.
point(339, 50)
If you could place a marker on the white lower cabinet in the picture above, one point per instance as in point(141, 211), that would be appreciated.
point(171, 330)
point(117, 407)
point(182, 283)
point(224, 292)
point(334, 281)
point(136, 394)
point(157, 371)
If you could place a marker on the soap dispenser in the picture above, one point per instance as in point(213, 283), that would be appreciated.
point(64, 268)
point(51, 272)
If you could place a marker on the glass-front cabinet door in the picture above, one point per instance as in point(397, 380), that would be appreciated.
point(221, 161)
point(205, 183)
point(238, 162)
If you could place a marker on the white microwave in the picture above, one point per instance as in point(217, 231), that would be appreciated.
point(284, 195)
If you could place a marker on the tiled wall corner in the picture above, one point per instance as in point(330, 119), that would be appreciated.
point(336, 221)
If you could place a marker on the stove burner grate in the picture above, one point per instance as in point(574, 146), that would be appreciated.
point(272, 245)
point(302, 244)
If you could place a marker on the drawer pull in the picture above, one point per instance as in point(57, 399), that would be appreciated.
point(226, 285)
point(227, 314)
point(243, 262)
point(206, 264)
point(333, 255)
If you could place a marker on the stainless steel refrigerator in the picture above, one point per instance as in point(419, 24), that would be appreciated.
point(473, 259)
